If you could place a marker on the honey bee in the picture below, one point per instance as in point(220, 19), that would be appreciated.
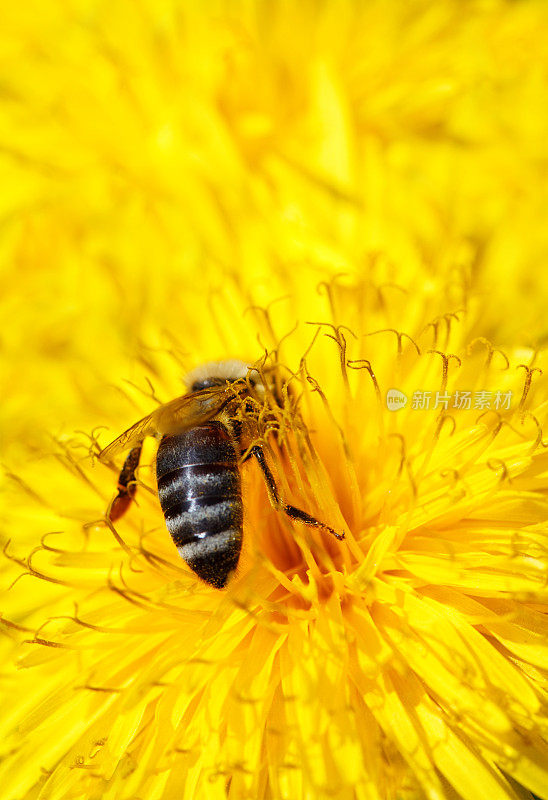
point(204, 437)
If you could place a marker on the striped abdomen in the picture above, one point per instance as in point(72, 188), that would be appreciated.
point(200, 494)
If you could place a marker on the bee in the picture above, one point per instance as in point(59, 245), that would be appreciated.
point(204, 437)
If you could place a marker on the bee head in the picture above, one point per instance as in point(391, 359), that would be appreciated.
point(219, 373)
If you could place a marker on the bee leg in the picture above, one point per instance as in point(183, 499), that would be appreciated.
point(274, 495)
point(127, 485)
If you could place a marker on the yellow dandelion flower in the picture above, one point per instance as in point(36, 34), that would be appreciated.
point(350, 195)
point(406, 660)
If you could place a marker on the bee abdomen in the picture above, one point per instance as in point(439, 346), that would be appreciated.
point(200, 494)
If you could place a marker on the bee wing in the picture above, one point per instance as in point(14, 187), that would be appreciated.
point(176, 416)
